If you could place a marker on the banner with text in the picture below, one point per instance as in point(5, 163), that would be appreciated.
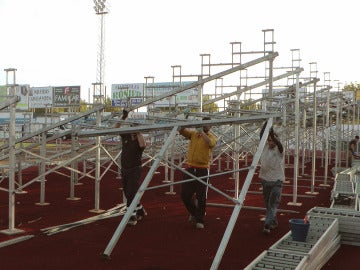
point(135, 93)
point(66, 96)
point(126, 94)
point(40, 97)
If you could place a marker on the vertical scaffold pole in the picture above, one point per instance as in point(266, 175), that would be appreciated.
point(296, 150)
point(12, 92)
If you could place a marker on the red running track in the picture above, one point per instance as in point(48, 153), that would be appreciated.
point(164, 240)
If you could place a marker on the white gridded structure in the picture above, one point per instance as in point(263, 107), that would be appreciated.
point(301, 108)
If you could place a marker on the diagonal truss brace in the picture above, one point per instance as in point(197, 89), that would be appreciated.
point(241, 199)
point(119, 230)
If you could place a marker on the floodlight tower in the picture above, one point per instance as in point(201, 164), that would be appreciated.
point(98, 91)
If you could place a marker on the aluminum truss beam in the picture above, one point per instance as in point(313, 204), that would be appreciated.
point(267, 57)
point(179, 124)
point(247, 88)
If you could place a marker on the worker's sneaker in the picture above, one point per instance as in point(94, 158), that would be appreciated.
point(274, 225)
point(266, 229)
point(199, 225)
point(140, 212)
point(192, 219)
point(132, 221)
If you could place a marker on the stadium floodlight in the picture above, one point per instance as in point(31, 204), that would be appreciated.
point(100, 11)
point(99, 6)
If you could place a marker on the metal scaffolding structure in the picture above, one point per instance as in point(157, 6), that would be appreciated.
point(306, 114)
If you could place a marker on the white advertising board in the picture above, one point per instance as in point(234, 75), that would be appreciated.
point(123, 93)
point(40, 97)
point(135, 93)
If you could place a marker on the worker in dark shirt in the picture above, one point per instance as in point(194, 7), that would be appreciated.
point(133, 145)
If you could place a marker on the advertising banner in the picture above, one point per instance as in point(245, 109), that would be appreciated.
point(135, 93)
point(22, 91)
point(40, 97)
point(3, 93)
point(122, 94)
point(187, 97)
point(66, 96)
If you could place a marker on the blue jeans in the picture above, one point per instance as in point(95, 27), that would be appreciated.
point(272, 195)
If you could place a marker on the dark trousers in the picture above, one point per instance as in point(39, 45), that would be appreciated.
point(189, 189)
point(131, 182)
point(349, 159)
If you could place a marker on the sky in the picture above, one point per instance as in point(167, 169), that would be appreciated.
point(55, 42)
